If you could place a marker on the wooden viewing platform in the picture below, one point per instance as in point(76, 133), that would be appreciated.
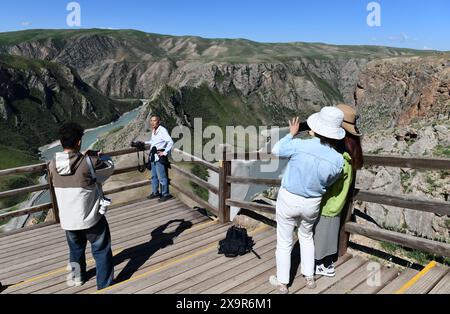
point(172, 248)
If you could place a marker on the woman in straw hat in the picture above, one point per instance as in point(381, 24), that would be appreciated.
point(327, 229)
point(314, 165)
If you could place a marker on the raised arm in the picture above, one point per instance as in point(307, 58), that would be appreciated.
point(286, 146)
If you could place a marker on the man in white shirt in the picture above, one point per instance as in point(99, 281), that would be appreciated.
point(160, 146)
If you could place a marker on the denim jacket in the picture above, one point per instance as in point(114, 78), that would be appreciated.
point(312, 167)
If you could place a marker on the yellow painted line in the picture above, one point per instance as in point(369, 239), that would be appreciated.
point(90, 262)
point(168, 263)
point(416, 278)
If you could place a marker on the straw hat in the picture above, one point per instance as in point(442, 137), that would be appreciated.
point(350, 118)
point(328, 123)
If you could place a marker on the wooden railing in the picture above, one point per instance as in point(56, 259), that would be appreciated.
point(348, 227)
point(41, 169)
point(223, 192)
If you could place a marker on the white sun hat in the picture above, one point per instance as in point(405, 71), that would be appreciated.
point(328, 123)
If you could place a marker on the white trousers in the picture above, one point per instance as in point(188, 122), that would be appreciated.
point(295, 211)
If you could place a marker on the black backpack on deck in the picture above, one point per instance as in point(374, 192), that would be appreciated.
point(237, 242)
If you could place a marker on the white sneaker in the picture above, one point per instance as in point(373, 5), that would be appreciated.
point(282, 288)
point(325, 271)
point(72, 280)
point(310, 282)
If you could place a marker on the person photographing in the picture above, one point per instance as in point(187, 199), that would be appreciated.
point(314, 165)
point(76, 177)
point(160, 147)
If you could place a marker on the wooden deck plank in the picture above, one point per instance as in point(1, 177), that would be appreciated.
point(299, 281)
point(427, 282)
point(325, 282)
point(159, 271)
point(60, 277)
point(190, 264)
point(265, 288)
point(117, 227)
point(443, 286)
point(398, 282)
point(237, 279)
point(387, 275)
point(43, 236)
point(21, 238)
point(60, 237)
point(114, 226)
point(115, 211)
point(208, 282)
point(164, 255)
point(248, 286)
point(349, 282)
point(19, 265)
point(117, 244)
point(181, 272)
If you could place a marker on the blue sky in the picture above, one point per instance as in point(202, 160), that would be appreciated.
point(404, 23)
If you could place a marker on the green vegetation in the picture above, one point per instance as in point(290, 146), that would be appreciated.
point(41, 218)
point(417, 256)
point(37, 112)
point(389, 247)
point(202, 102)
point(376, 151)
point(12, 158)
point(442, 151)
point(12, 183)
point(331, 93)
point(406, 180)
point(202, 173)
point(11, 209)
point(432, 184)
point(100, 143)
point(220, 50)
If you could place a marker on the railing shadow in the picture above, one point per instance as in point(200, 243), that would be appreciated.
point(385, 256)
point(138, 255)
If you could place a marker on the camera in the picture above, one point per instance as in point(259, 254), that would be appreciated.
point(104, 203)
point(138, 144)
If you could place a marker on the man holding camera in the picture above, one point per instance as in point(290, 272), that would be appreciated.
point(76, 178)
point(160, 146)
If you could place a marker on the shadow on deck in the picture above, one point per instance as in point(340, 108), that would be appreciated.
point(170, 248)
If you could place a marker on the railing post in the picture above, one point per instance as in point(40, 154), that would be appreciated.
point(55, 208)
point(224, 187)
point(346, 215)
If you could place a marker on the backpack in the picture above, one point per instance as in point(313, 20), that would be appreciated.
point(237, 242)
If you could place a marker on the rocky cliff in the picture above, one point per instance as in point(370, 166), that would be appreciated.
point(399, 91)
point(37, 96)
point(299, 77)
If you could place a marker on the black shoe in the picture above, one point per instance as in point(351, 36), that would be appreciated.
point(153, 196)
point(165, 198)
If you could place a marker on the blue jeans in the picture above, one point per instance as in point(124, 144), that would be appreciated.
point(159, 176)
point(100, 239)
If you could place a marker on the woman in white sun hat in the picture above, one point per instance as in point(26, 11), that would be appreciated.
point(314, 165)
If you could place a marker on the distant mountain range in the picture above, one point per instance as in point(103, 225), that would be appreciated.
point(236, 81)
